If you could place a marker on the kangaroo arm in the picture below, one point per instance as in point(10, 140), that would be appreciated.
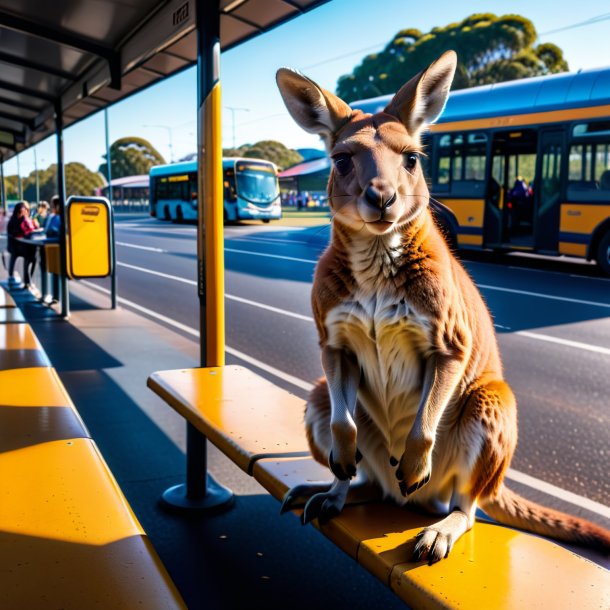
point(441, 377)
point(343, 378)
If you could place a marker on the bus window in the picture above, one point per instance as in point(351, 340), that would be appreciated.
point(589, 172)
point(461, 165)
point(230, 193)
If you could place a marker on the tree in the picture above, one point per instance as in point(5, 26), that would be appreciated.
point(490, 49)
point(79, 181)
point(131, 156)
point(266, 149)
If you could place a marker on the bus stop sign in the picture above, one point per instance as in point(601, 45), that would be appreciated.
point(89, 237)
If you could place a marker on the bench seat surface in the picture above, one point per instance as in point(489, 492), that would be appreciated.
point(6, 300)
point(67, 536)
point(20, 348)
point(490, 567)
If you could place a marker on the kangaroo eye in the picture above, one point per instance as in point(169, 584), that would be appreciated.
point(343, 164)
point(410, 160)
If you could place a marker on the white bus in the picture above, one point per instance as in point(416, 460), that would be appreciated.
point(251, 191)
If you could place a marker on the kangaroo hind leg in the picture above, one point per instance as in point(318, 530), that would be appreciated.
point(484, 438)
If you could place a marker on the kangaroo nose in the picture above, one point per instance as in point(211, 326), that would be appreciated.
point(378, 198)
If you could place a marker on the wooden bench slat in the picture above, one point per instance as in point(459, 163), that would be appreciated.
point(18, 336)
point(11, 315)
point(68, 538)
point(6, 300)
point(32, 387)
point(19, 348)
point(237, 410)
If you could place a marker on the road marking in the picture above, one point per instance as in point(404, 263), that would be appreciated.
point(558, 492)
point(149, 248)
point(544, 296)
point(283, 312)
point(288, 258)
point(577, 344)
point(536, 336)
point(271, 240)
point(231, 297)
point(515, 475)
point(158, 273)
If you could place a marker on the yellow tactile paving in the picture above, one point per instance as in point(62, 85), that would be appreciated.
point(68, 539)
point(240, 412)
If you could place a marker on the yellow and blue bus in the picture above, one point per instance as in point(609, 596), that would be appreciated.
point(525, 165)
point(251, 190)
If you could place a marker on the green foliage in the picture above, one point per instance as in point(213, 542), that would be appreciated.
point(79, 181)
point(490, 49)
point(131, 156)
point(266, 149)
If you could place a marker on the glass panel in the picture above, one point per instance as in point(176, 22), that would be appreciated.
point(256, 182)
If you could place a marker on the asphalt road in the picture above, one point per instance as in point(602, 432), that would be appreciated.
point(553, 322)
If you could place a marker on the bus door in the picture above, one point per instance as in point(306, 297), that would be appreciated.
point(548, 188)
point(509, 203)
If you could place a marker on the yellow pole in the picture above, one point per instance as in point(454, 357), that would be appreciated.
point(213, 205)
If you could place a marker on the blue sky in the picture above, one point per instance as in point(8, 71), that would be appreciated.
point(324, 44)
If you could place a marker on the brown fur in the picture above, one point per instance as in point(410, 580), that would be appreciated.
point(408, 346)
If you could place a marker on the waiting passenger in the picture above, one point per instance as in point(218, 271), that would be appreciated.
point(54, 224)
point(21, 225)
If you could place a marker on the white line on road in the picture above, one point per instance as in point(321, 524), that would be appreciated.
point(577, 344)
point(558, 492)
point(544, 296)
point(288, 258)
point(536, 336)
point(231, 297)
point(137, 247)
point(515, 475)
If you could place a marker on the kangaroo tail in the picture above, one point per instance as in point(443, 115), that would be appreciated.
point(509, 508)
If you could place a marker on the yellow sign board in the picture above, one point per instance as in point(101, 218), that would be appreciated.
point(89, 247)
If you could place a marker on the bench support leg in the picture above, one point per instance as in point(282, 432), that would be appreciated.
point(200, 493)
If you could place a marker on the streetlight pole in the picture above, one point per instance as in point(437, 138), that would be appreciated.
point(37, 178)
point(169, 133)
point(19, 183)
point(233, 110)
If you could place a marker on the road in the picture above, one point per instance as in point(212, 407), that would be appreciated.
point(553, 327)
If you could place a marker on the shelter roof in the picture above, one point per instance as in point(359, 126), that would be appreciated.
point(83, 55)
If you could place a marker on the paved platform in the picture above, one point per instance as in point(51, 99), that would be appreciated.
point(247, 555)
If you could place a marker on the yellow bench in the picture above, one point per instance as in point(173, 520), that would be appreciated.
point(68, 538)
point(260, 427)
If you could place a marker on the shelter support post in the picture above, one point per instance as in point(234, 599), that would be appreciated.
point(113, 286)
point(61, 192)
point(201, 492)
point(2, 191)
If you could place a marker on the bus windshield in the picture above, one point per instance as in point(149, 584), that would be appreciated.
point(256, 182)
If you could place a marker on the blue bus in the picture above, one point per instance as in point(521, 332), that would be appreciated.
point(251, 191)
point(524, 165)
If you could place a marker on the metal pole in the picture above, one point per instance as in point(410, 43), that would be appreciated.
point(19, 183)
point(201, 492)
point(61, 192)
point(37, 179)
point(2, 191)
point(108, 159)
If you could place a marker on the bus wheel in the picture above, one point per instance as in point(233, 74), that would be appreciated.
point(166, 214)
point(179, 216)
point(266, 220)
point(603, 253)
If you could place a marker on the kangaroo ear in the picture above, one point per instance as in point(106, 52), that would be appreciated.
point(421, 100)
point(313, 108)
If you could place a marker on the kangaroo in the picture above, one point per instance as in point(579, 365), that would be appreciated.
point(414, 395)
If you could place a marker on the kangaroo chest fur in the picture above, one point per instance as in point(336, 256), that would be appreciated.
point(389, 339)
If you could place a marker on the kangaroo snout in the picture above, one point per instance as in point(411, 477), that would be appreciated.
point(380, 198)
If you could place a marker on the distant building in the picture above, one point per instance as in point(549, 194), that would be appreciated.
point(308, 176)
point(130, 192)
